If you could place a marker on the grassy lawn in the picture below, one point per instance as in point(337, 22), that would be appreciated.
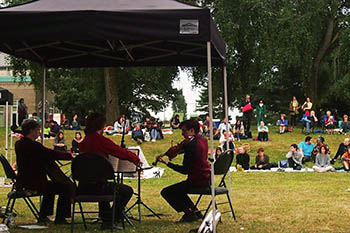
point(263, 202)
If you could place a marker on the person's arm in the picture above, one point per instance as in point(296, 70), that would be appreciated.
point(328, 161)
point(47, 153)
point(187, 161)
point(266, 161)
point(289, 155)
point(317, 161)
point(112, 149)
point(266, 129)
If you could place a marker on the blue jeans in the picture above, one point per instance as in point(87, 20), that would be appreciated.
point(307, 124)
point(155, 134)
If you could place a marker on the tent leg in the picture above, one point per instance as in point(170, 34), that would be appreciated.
point(210, 105)
point(43, 103)
point(227, 123)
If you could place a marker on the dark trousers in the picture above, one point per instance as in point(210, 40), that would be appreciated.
point(307, 159)
point(230, 145)
point(293, 164)
point(124, 194)
point(65, 192)
point(262, 136)
point(267, 166)
point(247, 117)
point(293, 120)
point(176, 195)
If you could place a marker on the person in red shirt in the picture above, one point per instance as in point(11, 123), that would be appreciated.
point(34, 163)
point(195, 165)
point(95, 142)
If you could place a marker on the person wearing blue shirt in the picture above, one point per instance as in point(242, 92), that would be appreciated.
point(306, 148)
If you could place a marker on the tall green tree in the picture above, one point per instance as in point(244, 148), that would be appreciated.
point(280, 48)
point(179, 104)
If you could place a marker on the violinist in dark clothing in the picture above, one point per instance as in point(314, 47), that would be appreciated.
point(195, 165)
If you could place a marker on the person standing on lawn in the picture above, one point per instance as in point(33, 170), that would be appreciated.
point(195, 165)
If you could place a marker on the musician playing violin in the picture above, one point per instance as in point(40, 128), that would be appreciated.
point(195, 165)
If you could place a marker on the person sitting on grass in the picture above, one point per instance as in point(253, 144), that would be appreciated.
point(317, 147)
point(242, 159)
point(75, 142)
point(175, 122)
point(323, 161)
point(238, 130)
point(218, 152)
point(60, 142)
point(283, 123)
point(346, 160)
point(329, 122)
point(54, 128)
point(295, 157)
point(345, 125)
point(137, 134)
point(306, 148)
point(223, 141)
point(262, 161)
point(263, 132)
point(343, 147)
point(222, 127)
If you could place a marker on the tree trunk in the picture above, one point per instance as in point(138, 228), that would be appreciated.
point(112, 95)
point(327, 41)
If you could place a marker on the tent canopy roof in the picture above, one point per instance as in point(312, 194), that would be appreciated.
point(102, 33)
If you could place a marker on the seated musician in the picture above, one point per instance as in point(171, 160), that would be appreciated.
point(195, 166)
point(95, 142)
point(34, 162)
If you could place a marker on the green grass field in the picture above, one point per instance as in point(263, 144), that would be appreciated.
point(263, 202)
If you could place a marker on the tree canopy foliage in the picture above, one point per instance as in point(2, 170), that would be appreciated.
point(277, 49)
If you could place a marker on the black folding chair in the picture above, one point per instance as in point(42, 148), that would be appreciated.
point(92, 168)
point(16, 192)
point(221, 167)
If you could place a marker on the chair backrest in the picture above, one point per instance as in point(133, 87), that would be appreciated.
point(7, 168)
point(91, 167)
point(223, 163)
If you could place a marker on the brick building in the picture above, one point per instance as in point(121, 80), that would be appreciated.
point(18, 89)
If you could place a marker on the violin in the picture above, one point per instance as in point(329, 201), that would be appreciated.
point(173, 151)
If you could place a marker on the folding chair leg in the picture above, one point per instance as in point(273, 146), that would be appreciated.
point(6, 210)
point(82, 215)
point(229, 201)
point(72, 222)
point(207, 210)
point(32, 207)
point(197, 202)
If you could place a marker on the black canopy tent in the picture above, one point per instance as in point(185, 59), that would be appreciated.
point(110, 33)
point(90, 33)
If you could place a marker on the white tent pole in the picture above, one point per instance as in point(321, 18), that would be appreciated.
point(227, 127)
point(211, 137)
point(6, 128)
point(43, 120)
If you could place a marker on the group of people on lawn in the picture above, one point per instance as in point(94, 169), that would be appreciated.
point(304, 112)
point(298, 155)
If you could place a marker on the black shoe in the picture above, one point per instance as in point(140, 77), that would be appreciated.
point(107, 225)
point(199, 214)
point(43, 220)
point(332, 161)
point(61, 222)
point(188, 218)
